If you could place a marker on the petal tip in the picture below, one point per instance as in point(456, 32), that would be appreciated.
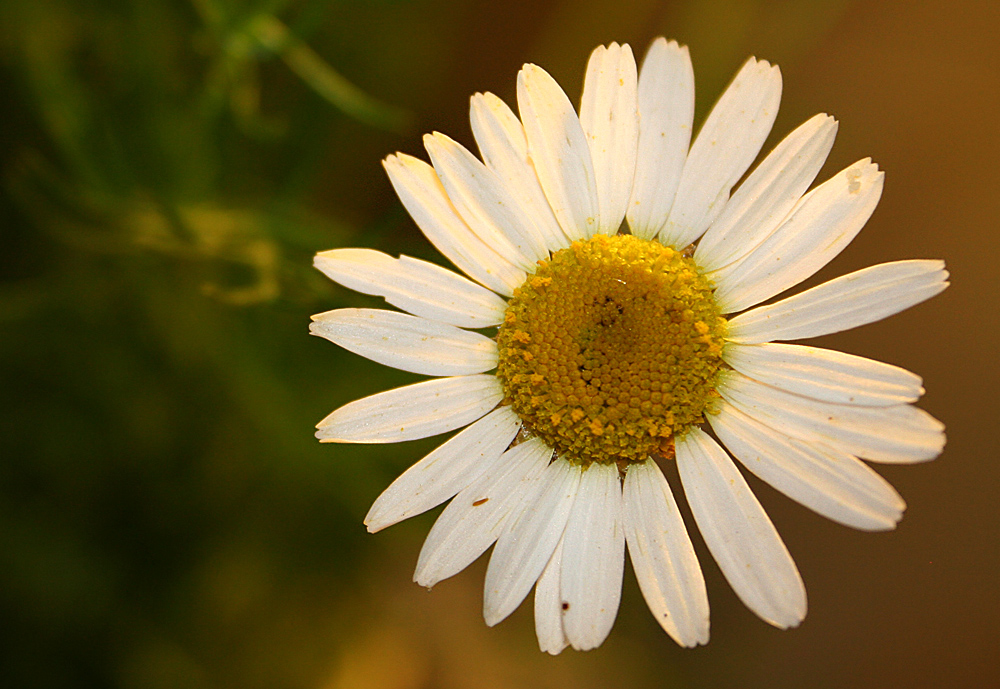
point(698, 639)
point(394, 160)
point(492, 617)
point(372, 523)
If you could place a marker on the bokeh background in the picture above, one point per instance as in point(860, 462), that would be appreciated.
point(169, 167)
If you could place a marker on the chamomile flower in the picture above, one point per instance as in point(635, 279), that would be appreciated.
point(577, 354)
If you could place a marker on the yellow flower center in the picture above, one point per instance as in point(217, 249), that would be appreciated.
point(611, 349)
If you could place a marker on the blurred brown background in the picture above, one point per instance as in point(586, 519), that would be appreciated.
point(169, 168)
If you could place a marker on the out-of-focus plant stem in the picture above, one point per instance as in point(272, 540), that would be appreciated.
point(273, 35)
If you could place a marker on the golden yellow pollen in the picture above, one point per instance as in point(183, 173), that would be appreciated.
point(611, 349)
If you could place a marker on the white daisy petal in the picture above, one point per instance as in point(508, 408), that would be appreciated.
point(817, 229)
point(666, 115)
point(416, 286)
point(413, 411)
point(501, 142)
point(528, 540)
point(739, 533)
point(549, 606)
point(824, 374)
point(834, 484)
point(423, 196)
point(409, 343)
point(485, 203)
point(610, 118)
point(593, 558)
point(476, 517)
point(450, 468)
point(662, 555)
point(768, 194)
point(559, 150)
point(725, 147)
point(858, 298)
point(897, 434)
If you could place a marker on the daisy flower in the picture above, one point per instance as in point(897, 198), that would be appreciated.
point(612, 318)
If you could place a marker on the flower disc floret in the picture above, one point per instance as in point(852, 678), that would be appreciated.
point(611, 349)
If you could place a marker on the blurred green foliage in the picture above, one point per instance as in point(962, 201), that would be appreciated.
point(159, 510)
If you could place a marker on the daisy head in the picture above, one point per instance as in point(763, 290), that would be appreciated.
point(611, 319)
